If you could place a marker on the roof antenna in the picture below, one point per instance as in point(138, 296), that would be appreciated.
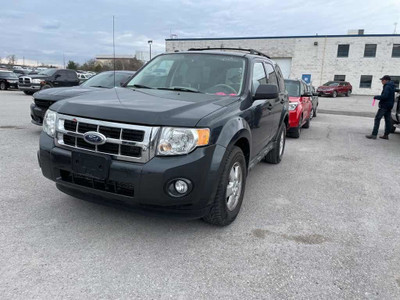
point(114, 51)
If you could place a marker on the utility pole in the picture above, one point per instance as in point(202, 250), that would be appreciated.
point(64, 60)
point(395, 28)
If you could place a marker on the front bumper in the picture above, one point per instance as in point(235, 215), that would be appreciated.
point(323, 92)
point(12, 85)
point(148, 181)
point(37, 114)
point(294, 117)
point(29, 87)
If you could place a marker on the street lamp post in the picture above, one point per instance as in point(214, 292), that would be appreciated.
point(150, 42)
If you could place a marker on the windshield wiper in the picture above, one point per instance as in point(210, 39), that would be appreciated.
point(140, 86)
point(179, 88)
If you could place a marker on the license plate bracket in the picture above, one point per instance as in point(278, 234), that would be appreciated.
point(95, 166)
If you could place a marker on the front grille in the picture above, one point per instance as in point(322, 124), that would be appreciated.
point(115, 187)
point(44, 103)
point(123, 141)
point(24, 79)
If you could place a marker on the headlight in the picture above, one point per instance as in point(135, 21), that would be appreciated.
point(293, 105)
point(49, 122)
point(36, 81)
point(178, 141)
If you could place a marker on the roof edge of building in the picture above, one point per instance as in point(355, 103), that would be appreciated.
point(283, 37)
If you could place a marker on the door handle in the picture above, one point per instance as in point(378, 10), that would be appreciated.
point(269, 106)
point(282, 101)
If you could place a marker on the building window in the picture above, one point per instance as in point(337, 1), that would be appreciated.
point(396, 50)
point(343, 50)
point(365, 81)
point(339, 78)
point(396, 80)
point(370, 50)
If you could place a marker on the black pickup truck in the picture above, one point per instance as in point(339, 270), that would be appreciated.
point(48, 78)
point(180, 140)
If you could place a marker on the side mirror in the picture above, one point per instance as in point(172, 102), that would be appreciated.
point(57, 75)
point(266, 91)
point(307, 94)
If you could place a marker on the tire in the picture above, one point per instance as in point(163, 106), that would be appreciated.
point(3, 86)
point(307, 124)
point(28, 93)
point(275, 155)
point(393, 129)
point(46, 86)
point(296, 133)
point(348, 93)
point(334, 94)
point(225, 209)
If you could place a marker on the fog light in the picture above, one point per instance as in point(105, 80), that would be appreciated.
point(181, 187)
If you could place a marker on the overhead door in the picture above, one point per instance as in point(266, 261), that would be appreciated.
point(285, 64)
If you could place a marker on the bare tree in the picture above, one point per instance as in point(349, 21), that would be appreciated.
point(11, 59)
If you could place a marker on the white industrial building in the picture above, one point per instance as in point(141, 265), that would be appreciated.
point(360, 59)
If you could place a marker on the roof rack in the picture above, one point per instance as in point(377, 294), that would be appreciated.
point(251, 51)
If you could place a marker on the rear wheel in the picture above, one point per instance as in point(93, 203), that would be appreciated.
point(230, 190)
point(348, 93)
point(297, 130)
point(275, 155)
point(3, 86)
point(307, 124)
point(393, 129)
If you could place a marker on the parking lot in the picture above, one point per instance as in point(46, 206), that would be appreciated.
point(322, 224)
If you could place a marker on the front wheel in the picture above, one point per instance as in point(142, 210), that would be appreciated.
point(46, 86)
point(348, 93)
point(393, 129)
point(275, 155)
point(230, 190)
point(3, 86)
point(28, 93)
point(334, 94)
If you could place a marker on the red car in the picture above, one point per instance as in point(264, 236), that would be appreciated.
point(334, 88)
point(300, 106)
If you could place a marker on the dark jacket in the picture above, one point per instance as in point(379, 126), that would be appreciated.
point(387, 96)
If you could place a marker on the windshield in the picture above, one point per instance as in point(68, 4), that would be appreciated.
point(293, 88)
point(8, 75)
point(48, 72)
point(106, 80)
point(204, 73)
point(330, 83)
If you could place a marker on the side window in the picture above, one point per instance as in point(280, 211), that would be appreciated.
point(303, 88)
point(259, 77)
point(60, 76)
point(272, 77)
point(72, 76)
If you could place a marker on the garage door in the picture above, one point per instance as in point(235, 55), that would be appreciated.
point(285, 64)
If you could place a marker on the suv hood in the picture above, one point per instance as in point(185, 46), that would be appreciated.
point(55, 94)
point(36, 76)
point(145, 107)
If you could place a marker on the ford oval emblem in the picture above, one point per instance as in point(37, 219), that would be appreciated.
point(94, 138)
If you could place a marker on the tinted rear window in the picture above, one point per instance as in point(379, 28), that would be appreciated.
point(293, 88)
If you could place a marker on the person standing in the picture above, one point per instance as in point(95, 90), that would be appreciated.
point(386, 102)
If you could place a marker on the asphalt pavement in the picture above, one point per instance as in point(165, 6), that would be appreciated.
point(322, 224)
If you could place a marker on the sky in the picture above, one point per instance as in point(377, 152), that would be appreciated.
point(49, 31)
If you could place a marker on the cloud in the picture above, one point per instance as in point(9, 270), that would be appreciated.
point(79, 30)
point(51, 24)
